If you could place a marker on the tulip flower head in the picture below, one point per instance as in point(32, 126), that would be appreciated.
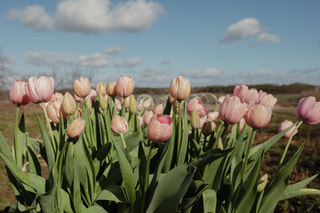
point(68, 104)
point(101, 88)
point(40, 89)
point(160, 128)
point(258, 115)
point(208, 127)
point(196, 104)
point(111, 88)
point(76, 128)
point(54, 111)
point(180, 88)
point(232, 110)
point(268, 100)
point(286, 124)
point(82, 87)
point(158, 109)
point(147, 117)
point(308, 110)
point(18, 94)
point(124, 86)
point(245, 94)
point(119, 125)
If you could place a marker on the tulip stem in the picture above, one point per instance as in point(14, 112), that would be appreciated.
point(146, 179)
point(288, 143)
point(179, 128)
point(123, 141)
point(16, 148)
point(252, 136)
point(49, 126)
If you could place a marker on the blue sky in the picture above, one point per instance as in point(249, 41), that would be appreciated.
point(209, 42)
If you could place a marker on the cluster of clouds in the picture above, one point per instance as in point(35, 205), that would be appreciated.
point(248, 27)
point(94, 16)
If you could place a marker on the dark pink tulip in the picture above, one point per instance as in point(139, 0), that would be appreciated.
point(196, 104)
point(124, 86)
point(258, 116)
point(18, 94)
point(40, 89)
point(232, 110)
point(284, 125)
point(308, 110)
point(160, 128)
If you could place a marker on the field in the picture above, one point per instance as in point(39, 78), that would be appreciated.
point(309, 163)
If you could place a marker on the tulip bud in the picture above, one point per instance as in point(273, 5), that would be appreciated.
point(147, 117)
point(75, 128)
point(180, 88)
point(68, 104)
point(54, 110)
point(88, 103)
point(147, 103)
point(124, 86)
point(81, 87)
point(284, 125)
point(232, 110)
point(196, 104)
point(111, 88)
point(195, 119)
point(158, 109)
point(263, 182)
point(308, 110)
point(258, 115)
point(133, 106)
point(160, 128)
point(41, 89)
point(101, 88)
point(103, 104)
point(18, 94)
point(221, 99)
point(119, 125)
point(208, 127)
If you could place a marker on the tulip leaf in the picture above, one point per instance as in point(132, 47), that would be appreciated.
point(170, 144)
point(33, 160)
point(171, 188)
point(209, 197)
point(184, 140)
point(113, 193)
point(208, 157)
point(19, 144)
point(94, 209)
point(34, 181)
point(5, 150)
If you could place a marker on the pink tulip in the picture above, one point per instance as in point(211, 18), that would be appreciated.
point(119, 125)
point(101, 88)
point(196, 104)
point(40, 89)
point(124, 86)
point(158, 109)
point(308, 110)
point(232, 110)
point(221, 99)
point(82, 87)
point(284, 125)
point(268, 100)
point(111, 88)
point(68, 104)
point(147, 117)
point(242, 123)
point(160, 128)
point(180, 88)
point(54, 111)
point(213, 115)
point(76, 128)
point(18, 93)
point(245, 94)
point(258, 115)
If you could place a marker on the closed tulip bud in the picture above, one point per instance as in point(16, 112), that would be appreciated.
point(124, 86)
point(81, 87)
point(196, 104)
point(76, 128)
point(88, 103)
point(58, 96)
point(103, 104)
point(69, 104)
point(18, 94)
point(242, 123)
point(133, 106)
point(195, 119)
point(119, 125)
point(268, 100)
point(308, 110)
point(262, 183)
point(111, 88)
point(180, 88)
point(92, 95)
point(101, 88)
point(54, 110)
point(160, 128)
point(258, 115)
point(208, 127)
point(158, 109)
point(147, 117)
point(40, 89)
point(232, 110)
point(221, 99)
point(147, 103)
point(285, 125)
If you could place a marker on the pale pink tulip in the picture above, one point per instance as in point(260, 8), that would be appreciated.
point(124, 86)
point(147, 117)
point(40, 89)
point(158, 109)
point(54, 111)
point(160, 128)
point(76, 128)
point(196, 104)
point(101, 88)
point(245, 94)
point(308, 110)
point(68, 104)
point(221, 99)
point(82, 87)
point(232, 110)
point(180, 88)
point(18, 94)
point(111, 88)
point(258, 115)
point(119, 125)
point(268, 100)
point(286, 124)
point(213, 115)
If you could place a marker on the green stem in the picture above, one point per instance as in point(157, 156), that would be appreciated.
point(252, 136)
point(288, 143)
point(123, 141)
point(49, 126)
point(179, 129)
point(146, 179)
point(16, 148)
point(91, 130)
point(107, 126)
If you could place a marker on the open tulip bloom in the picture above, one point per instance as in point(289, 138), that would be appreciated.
point(103, 158)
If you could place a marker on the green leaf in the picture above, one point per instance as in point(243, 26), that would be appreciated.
point(184, 140)
point(113, 193)
point(19, 144)
point(34, 181)
point(5, 150)
point(209, 156)
point(127, 174)
point(94, 209)
point(133, 140)
point(33, 160)
point(209, 197)
point(171, 188)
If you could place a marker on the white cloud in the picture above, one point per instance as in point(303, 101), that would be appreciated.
point(94, 60)
point(47, 59)
point(114, 50)
point(266, 37)
point(128, 62)
point(241, 30)
point(205, 73)
point(94, 16)
point(153, 78)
